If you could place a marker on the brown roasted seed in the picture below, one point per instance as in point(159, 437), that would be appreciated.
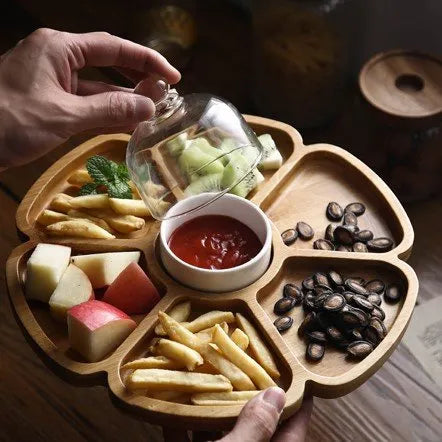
point(308, 303)
point(355, 287)
point(320, 278)
point(342, 248)
point(317, 336)
point(350, 219)
point(357, 208)
point(315, 352)
point(375, 285)
point(380, 245)
point(308, 323)
point(362, 302)
point(319, 300)
point(340, 289)
point(322, 288)
point(334, 211)
point(360, 247)
point(334, 333)
point(289, 236)
point(348, 296)
point(334, 302)
point(323, 319)
point(350, 318)
point(323, 244)
point(335, 278)
point(293, 291)
point(374, 298)
point(356, 334)
point(344, 236)
point(377, 312)
point(304, 230)
point(283, 305)
point(363, 317)
point(329, 232)
point(371, 335)
point(379, 326)
point(393, 293)
point(357, 279)
point(359, 349)
point(283, 323)
point(364, 235)
point(308, 283)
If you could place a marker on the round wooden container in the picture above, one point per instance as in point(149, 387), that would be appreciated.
point(310, 177)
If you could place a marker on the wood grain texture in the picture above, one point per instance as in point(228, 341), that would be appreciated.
point(276, 196)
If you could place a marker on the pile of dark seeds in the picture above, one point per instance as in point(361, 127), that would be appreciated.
point(348, 237)
point(345, 313)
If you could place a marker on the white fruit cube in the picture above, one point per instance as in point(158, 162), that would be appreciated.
point(45, 268)
point(103, 268)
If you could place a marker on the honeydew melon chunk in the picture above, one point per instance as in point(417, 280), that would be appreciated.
point(176, 145)
point(206, 183)
point(271, 158)
point(194, 160)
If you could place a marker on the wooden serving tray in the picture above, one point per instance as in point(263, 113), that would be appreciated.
point(310, 177)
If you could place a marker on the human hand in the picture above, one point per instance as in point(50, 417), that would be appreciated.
point(43, 102)
point(258, 421)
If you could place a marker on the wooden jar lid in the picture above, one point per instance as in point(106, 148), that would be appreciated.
point(404, 84)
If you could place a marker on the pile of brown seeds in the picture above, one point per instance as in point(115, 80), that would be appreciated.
point(302, 230)
point(348, 237)
point(343, 312)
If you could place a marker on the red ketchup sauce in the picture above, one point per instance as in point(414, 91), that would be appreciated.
point(214, 242)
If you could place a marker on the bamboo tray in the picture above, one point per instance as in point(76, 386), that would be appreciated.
point(310, 177)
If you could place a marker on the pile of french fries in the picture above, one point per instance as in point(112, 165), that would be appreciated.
point(93, 216)
point(217, 359)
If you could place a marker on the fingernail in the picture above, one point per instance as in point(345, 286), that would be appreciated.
point(276, 397)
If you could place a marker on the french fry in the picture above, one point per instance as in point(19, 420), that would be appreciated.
point(170, 396)
point(79, 228)
point(100, 201)
point(125, 223)
point(80, 177)
point(207, 368)
point(154, 362)
point(155, 379)
point(180, 313)
point(83, 215)
point(129, 207)
point(178, 352)
point(240, 339)
point(241, 359)
point(206, 334)
point(134, 189)
point(48, 217)
point(259, 349)
point(61, 203)
point(227, 398)
point(209, 319)
point(179, 333)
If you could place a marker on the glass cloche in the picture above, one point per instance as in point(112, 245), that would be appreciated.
point(193, 144)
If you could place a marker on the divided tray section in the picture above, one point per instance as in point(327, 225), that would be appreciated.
point(309, 178)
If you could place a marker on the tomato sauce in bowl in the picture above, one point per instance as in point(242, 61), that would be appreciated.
point(214, 242)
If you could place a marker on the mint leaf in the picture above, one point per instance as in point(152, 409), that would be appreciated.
point(119, 189)
point(100, 169)
point(122, 172)
point(88, 189)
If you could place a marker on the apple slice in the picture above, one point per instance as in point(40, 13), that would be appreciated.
point(132, 291)
point(96, 328)
point(103, 268)
point(73, 289)
point(44, 270)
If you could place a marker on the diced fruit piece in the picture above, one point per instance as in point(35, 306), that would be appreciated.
point(129, 207)
point(132, 291)
point(259, 176)
point(204, 145)
point(103, 268)
point(100, 201)
point(73, 289)
point(61, 203)
point(177, 145)
point(79, 228)
point(271, 158)
point(234, 171)
point(45, 268)
point(96, 328)
point(206, 183)
point(194, 160)
point(48, 217)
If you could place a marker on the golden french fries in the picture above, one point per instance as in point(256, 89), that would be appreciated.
point(180, 313)
point(80, 177)
point(79, 228)
point(206, 334)
point(61, 203)
point(129, 207)
point(240, 339)
point(100, 201)
point(125, 223)
point(209, 319)
point(74, 213)
point(134, 189)
point(158, 379)
point(154, 362)
point(48, 217)
point(259, 349)
point(241, 359)
point(178, 332)
point(223, 398)
point(178, 352)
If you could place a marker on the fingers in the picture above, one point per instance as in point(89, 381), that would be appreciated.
point(295, 428)
point(259, 417)
point(87, 87)
point(102, 49)
point(110, 109)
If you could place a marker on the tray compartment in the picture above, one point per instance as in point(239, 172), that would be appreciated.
point(297, 268)
point(320, 177)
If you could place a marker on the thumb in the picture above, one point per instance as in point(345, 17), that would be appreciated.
point(111, 109)
point(259, 417)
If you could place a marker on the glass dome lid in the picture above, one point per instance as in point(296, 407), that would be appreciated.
point(193, 144)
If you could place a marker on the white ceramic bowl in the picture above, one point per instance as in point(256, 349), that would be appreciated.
point(224, 280)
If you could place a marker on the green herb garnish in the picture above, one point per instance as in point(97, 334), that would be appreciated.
point(106, 173)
